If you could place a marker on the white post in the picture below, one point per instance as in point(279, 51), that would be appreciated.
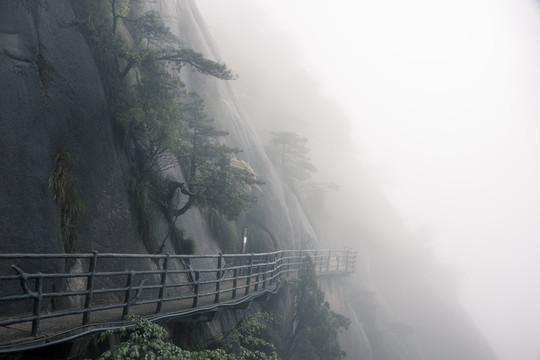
point(244, 241)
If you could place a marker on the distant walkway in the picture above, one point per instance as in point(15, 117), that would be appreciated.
point(41, 309)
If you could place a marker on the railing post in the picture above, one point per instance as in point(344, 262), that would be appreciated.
point(328, 264)
point(316, 260)
point(265, 270)
point(90, 287)
point(274, 269)
point(129, 286)
point(257, 278)
point(250, 271)
point(37, 305)
point(165, 270)
point(218, 278)
point(290, 259)
point(196, 298)
point(277, 266)
point(270, 265)
point(300, 263)
point(289, 265)
point(235, 283)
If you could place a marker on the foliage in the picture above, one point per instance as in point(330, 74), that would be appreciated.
point(149, 132)
point(312, 192)
point(120, 10)
point(181, 57)
point(182, 244)
point(224, 230)
point(146, 189)
point(317, 327)
point(251, 336)
point(215, 178)
point(153, 127)
point(290, 154)
point(149, 119)
point(313, 197)
point(314, 333)
point(153, 42)
point(62, 185)
point(146, 340)
point(121, 7)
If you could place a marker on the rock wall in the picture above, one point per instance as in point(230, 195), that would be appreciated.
point(52, 100)
point(277, 220)
point(385, 299)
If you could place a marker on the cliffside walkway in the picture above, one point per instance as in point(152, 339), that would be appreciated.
point(39, 309)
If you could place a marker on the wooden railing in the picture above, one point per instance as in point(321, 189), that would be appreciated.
point(101, 288)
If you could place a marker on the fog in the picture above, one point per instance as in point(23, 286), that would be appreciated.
point(440, 100)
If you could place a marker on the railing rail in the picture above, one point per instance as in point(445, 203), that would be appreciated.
point(104, 287)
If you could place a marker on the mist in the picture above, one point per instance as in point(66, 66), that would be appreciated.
point(434, 102)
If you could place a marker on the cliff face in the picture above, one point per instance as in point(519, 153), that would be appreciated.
point(422, 296)
point(277, 219)
point(396, 283)
point(52, 101)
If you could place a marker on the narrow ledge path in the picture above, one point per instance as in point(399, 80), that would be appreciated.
point(41, 309)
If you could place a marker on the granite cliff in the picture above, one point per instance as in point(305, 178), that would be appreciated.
point(54, 99)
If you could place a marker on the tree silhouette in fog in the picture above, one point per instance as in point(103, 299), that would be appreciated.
point(289, 152)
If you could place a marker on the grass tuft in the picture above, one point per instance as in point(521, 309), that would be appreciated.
point(62, 185)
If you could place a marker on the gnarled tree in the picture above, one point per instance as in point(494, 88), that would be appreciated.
point(215, 177)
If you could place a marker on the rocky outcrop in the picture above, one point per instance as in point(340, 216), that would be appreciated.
point(277, 220)
point(52, 100)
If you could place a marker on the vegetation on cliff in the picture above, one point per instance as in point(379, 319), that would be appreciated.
point(146, 340)
point(315, 327)
point(290, 154)
point(313, 333)
point(159, 124)
point(62, 185)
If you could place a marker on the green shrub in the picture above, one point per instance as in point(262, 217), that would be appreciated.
point(223, 229)
point(316, 326)
point(146, 340)
point(158, 124)
point(182, 244)
point(62, 185)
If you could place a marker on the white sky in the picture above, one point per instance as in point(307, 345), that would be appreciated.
point(445, 99)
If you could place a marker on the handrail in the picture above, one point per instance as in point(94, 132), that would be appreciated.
point(104, 287)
